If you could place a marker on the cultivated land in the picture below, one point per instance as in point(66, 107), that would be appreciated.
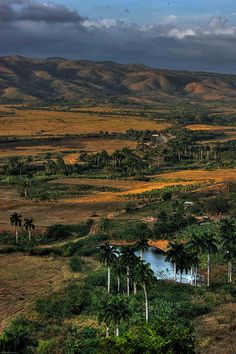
point(35, 132)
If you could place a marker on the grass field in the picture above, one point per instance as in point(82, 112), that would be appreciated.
point(37, 148)
point(230, 132)
point(74, 209)
point(52, 123)
point(24, 279)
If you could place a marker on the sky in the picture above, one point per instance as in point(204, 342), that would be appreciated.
point(179, 34)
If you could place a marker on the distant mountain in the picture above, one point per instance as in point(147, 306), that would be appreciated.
point(57, 79)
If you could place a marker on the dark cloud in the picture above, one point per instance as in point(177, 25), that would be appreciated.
point(34, 29)
point(29, 10)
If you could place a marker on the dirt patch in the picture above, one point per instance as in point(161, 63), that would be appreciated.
point(216, 332)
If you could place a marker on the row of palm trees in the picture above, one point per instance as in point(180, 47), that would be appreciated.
point(185, 256)
point(17, 222)
point(136, 271)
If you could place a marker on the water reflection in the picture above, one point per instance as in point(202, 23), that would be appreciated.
point(162, 269)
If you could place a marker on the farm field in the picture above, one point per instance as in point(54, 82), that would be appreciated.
point(230, 131)
point(45, 123)
point(74, 209)
point(24, 279)
point(38, 147)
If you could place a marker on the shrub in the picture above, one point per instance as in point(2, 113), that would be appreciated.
point(83, 341)
point(61, 305)
point(59, 231)
point(19, 337)
point(159, 338)
point(75, 264)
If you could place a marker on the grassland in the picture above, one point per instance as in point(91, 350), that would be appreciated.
point(38, 123)
point(24, 279)
point(74, 209)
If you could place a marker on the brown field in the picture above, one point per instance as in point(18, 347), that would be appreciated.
point(66, 145)
point(216, 331)
point(52, 123)
point(24, 279)
point(73, 210)
point(230, 132)
point(203, 175)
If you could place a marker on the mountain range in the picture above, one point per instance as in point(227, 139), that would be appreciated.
point(60, 80)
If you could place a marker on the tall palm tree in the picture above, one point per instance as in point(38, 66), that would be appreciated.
point(173, 255)
point(193, 263)
point(16, 220)
point(145, 275)
point(193, 247)
point(208, 244)
point(142, 246)
point(228, 236)
point(127, 258)
point(108, 255)
point(113, 312)
point(118, 270)
point(29, 226)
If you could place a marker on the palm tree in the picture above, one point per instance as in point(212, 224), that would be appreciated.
point(193, 262)
point(127, 257)
point(113, 312)
point(142, 246)
point(108, 255)
point(228, 235)
point(16, 220)
point(29, 226)
point(173, 255)
point(145, 276)
point(208, 244)
point(118, 270)
point(193, 247)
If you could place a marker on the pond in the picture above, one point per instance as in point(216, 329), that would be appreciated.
point(161, 268)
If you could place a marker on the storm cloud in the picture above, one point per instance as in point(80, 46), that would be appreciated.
point(37, 29)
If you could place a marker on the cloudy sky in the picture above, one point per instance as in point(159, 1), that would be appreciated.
point(179, 34)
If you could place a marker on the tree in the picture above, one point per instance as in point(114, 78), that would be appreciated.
point(113, 312)
point(127, 257)
point(118, 270)
point(207, 243)
point(108, 255)
point(228, 235)
point(145, 275)
point(29, 226)
point(16, 220)
point(142, 246)
point(173, 255)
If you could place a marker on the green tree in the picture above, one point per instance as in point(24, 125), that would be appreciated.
point(173, 255)
point(142, 246)
point(108, 255)
point(16, 220)
point(114, 311)
point(29, 226)
point(127, 258)
point(145, 275)
point(228, 236)
point(118, 270)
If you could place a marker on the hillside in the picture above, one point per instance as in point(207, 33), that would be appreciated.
point(57, 79)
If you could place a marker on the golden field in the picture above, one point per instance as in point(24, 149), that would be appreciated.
point(66, 146)
point(75, 209)
point(40, 123)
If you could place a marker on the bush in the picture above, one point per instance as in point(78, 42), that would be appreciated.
point(159, 338)
point(19, 337)
point(61, 305)
point(83, 341)
point(58, 231)
point(75, 264)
